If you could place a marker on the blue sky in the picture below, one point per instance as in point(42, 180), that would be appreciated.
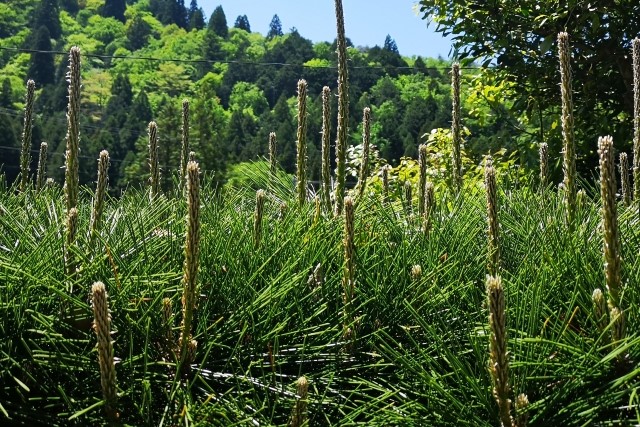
point(367, 22)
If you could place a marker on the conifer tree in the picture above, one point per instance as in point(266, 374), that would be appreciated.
point(48, 14)
point(114, 9)
point(70, 6)
point(242, 23)
point(170, 12)
point(419, 66)
point(9, 138)
point(390, 44)
point(179, 13)
point(196, 16)
point(41, 69)
point(138, 33)
point(275, 27)
point(6, 94)
point(218, 23)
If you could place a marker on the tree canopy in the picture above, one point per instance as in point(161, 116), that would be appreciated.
point(390, 45)
point(218, 23)
point(6, 95)
point(170, 12)
point(48, 14)
point(114, 9)
point(196, 16)
point(242, 22)
point(138, 32)
point(518, 39)
point(241, 85)
point(275, 27)
point(42, 69)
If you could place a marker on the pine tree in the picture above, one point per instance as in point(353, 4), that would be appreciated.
point(218, 23)
point(242, 23)
point(47, 14)
point(275, 27)
point(138, 33)
point(70, 6)
point(196, 21)
point(115, 118)
point(114, 9)
point(286, 132)
point(53, 98)
point(9, 138)
point(209, 126)
point(168, 113)
point(6, 94)
point(179, 13)
point(170, 12)
point(196, 16)
point(211, 50)
point(389, 57)
point(157, 7)
point(236, 138)
point(419, 66)
point(141, 109)
point(121, 96)
point(41, 69)
point(140, 114)
point(193, 7)
point(390, 45)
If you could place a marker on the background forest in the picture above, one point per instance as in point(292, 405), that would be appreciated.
point(141, 58)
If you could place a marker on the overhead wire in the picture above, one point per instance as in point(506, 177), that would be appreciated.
point(53, 153)
point(227, 61)
point(138, 133)
point(18, 113)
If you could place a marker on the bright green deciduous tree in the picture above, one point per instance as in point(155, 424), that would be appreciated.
point(519, 38)
point(248, 98)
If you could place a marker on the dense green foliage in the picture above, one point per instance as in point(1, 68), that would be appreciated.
point(518, 38)
point(241, 86)
point(261, 321)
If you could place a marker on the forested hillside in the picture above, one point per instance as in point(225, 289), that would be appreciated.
point(142, 58)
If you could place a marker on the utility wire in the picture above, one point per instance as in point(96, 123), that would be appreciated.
point(137, 133)
point(224, 61)
point(111, 159)
point(134, 132)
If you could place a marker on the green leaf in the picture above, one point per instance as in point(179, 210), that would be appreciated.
point(21, 384)
point(85, 410)
point(546, 44)
point(595, 22)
